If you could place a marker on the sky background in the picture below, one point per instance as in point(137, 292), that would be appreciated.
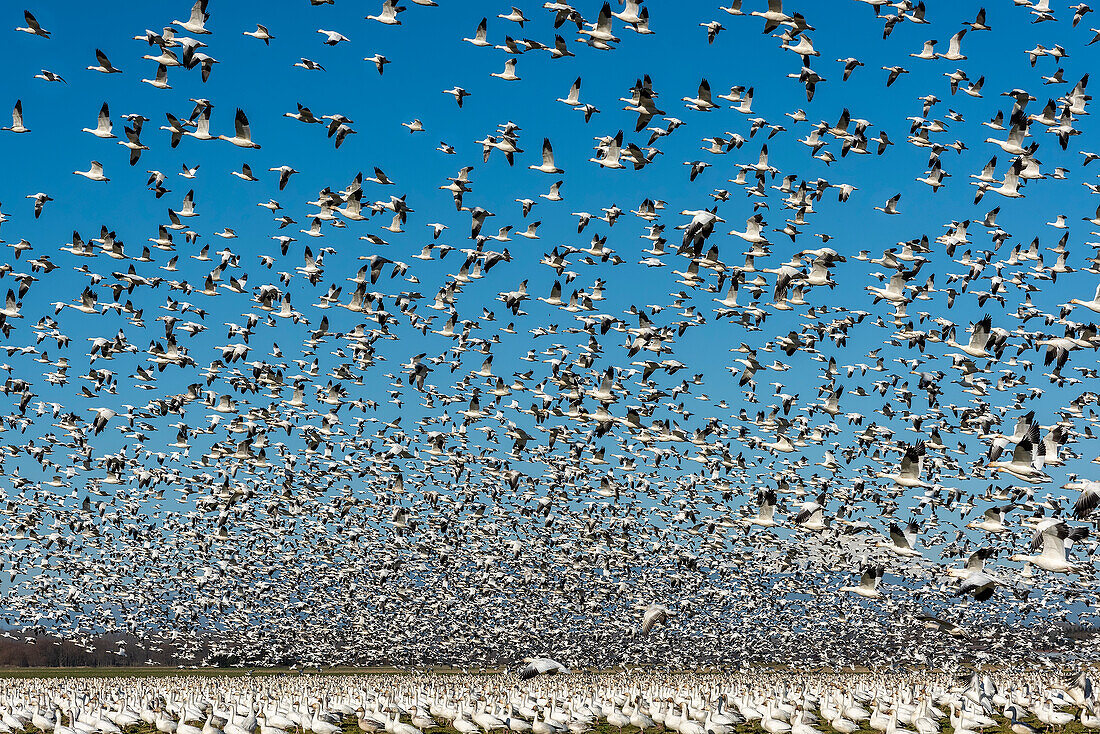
point(428, 56)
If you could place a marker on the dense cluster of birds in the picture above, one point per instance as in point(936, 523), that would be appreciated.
point(774, 703)
point(430, 438)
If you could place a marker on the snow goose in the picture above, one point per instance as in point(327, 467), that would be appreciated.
point(160, 81)
point(540, 666)
point(33, 27)
point(389, 12)
point(261, 33)
point(17, 125)
point(547, 159)
point(600, 32)
point(95, 173)
point(103, 124)
point(1052, 535)
point(868, 588)
point(242, 137)
point(196, 23)
point(773, 16)
point(480, 34)
point(509, 73)
point(104, 66)
point(332, 38)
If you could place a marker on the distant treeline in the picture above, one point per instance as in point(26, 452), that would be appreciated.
point(26, 650)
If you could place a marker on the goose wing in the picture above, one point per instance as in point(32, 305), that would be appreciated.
point(240, 123)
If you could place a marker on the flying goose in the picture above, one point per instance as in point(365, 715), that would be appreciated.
point(1052, 535)
point(509, 73)
point(103, 124)
point(33, 26)
point(104, 65)
point(197, 20)
point(95, 173)
point(547, 159)
point(869, 583)
point(260, 33)
point(17, 125)
point(242, 137)
point(540, 666)
point(388, 14)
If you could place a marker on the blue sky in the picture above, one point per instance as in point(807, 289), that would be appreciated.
point(428, 56)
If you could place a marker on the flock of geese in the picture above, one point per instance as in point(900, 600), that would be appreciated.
point(769, 702)
point(813, 396)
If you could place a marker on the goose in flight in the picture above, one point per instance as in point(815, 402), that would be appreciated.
point(600, 33)
point(33, 27)
point(95, 173)
point(261, 33)
point(516, 16)
point(1028, 459)
point(50, 76)
point(978, 584)
point(993, 520)
point(17, 125)
point(540, 666)
point(509, 73)
point(547, 159)
point(40, 200)
point(1052, 535)
point(654, 614)
point(242, 137)
point(974, 563)
point(609, 152)
point(902, 542)
point(911, 467)
point(458, 93)
point(379, 62)
point(104, 66)
point(573, 98)
point(389, 12)
point(1093, 305)
point(941, 625)
point(702, 102)
point(765, 513)
point(773, 16)
point(978, 24)
point(954, 52)
point(891, 205)
point(103, 124)
point(812, 515)
point(132, 143)
point(196, 23)
point(332, 38)
point(160, 81)
point(285, 172)
point(480, 34)
point(850, 65)
point(869, 583)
